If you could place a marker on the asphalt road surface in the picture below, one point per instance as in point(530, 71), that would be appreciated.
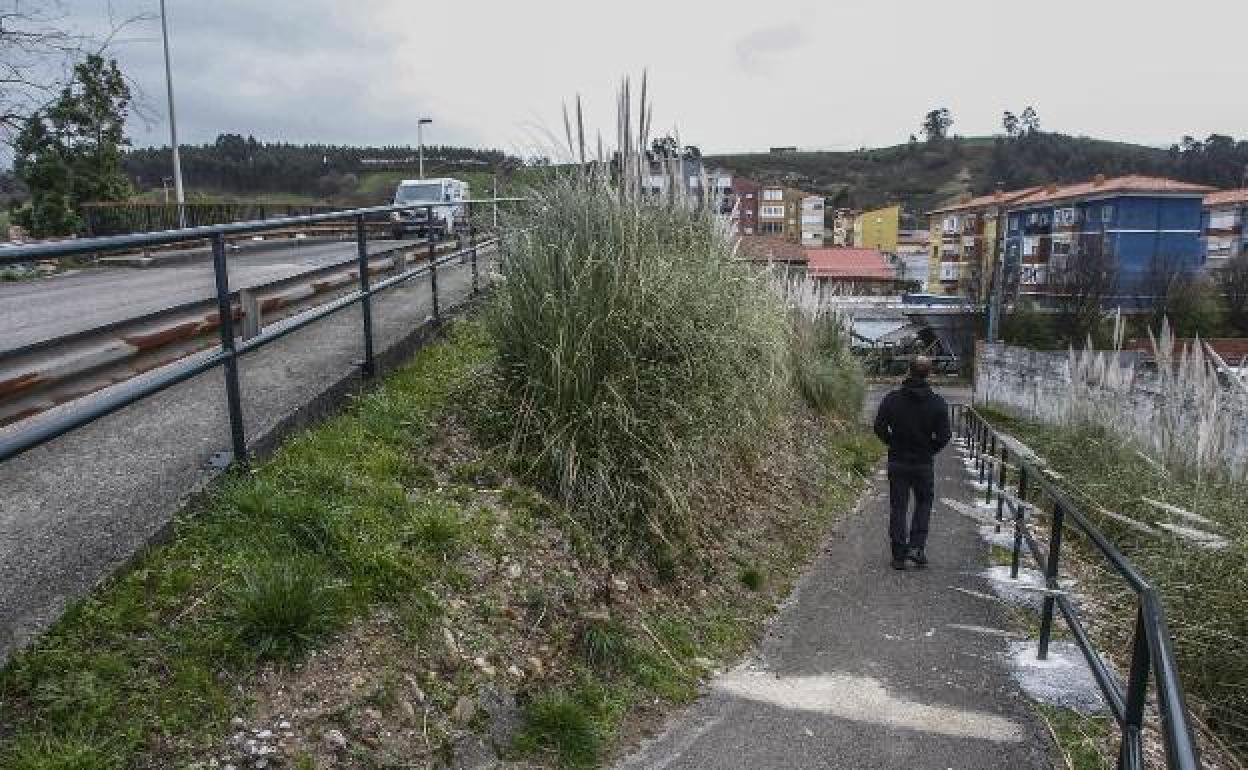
point(37, 310)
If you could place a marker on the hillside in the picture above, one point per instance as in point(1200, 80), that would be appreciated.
point(923, 175)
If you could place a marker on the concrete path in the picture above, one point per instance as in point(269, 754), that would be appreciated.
point(871, 668)
point(77, 508)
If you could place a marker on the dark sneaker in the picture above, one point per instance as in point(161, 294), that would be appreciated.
point(917, 556)
point(899, 564)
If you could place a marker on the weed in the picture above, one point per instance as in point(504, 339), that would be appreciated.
point(752, 578)
point(281, 608)
point(559, 723)
point(62, 753)
point(604, 645)
point(438, 529)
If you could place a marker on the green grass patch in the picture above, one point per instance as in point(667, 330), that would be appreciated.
point(1083, 740)
point(271, 562)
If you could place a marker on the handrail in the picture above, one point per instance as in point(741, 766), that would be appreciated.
point(67, 248)
point(42, 430)
point(1152, 647)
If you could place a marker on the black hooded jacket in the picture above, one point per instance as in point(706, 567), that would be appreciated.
point(914, 422)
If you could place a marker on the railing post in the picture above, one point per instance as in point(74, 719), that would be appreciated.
point(225, 315)
point(1001, 479)
point(369, 367)
point(992, 454)
point(472, 247)
point(433, 260)
point(1130, 750)
point(1020, 521)
point(1050, 580)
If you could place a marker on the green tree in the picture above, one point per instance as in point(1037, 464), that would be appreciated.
point(936, 124)
point(1232, 279)
point(71, 151)
point(1193, 307)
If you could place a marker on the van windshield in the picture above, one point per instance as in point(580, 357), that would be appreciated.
point(418, 193)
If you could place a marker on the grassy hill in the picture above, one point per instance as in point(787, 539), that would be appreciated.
point(922, 175)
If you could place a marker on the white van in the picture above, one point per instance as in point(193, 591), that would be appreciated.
point(446, 195)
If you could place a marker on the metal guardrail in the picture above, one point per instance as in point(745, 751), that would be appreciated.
point(1152, 647)
point(226, 356)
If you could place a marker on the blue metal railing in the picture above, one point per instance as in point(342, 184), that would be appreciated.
point(1152, 649)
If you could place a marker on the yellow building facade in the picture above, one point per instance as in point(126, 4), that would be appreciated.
point(877, 229)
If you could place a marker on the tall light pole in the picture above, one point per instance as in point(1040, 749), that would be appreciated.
point(420, 139)
point(173, 123)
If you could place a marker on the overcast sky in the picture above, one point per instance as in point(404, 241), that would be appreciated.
point(731, 74)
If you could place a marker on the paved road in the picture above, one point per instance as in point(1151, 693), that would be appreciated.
point(32, 311)
point(74, 510)
point(866, 669)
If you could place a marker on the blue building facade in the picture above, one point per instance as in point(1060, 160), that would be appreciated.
point(1135, 233)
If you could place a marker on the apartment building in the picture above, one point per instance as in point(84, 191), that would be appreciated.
point(771, 210)
point(964, 244)
point(1149, 228)
point(877, 229)
point(745, 196)
point(843, 227)
point(688, 175)
point(811, 222)
point(1226, 236)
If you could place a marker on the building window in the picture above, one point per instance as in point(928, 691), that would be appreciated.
point(771, 211)
point(951, 224)
point(1014, 223)
point(950, 271)
point(1062, 247)
point(1107, 214)
point(1031, 247)
point(1226, 219)
point(1064, 217)
point(768, 228)
point(773, 195)
point(1032, 275)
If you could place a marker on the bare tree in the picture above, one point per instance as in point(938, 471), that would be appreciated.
point(38, 49)
point(1232, 280)
point(1081, 285)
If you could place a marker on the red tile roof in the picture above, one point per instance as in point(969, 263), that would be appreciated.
point(849, 264)
point(1133, 183)
point(768, 248)
point(998, 198)
point(1226, 197)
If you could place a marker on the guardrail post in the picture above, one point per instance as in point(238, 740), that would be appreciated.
point(249, 304)
point(1050, 580)
point(1020, 521)
point(225, 316)
point(992, 454)
point(433, 260)
point(369, 366)
point(1130, 750)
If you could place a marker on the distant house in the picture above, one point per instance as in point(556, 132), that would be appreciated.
point(1226, 236)
point(853, 271)
point(1148, 228)
point(771, 210)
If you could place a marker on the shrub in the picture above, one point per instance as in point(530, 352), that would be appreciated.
point(825, 373)
point(562, 724)
point(752, 578)
point(636, 355)
point(279, 609)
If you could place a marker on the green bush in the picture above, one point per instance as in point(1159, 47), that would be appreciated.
point(825, 373)
point(636, 355)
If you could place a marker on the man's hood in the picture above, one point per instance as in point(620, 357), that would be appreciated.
point(916, 388)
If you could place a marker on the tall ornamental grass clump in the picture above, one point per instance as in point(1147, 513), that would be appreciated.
point(825, 372)
point(638, 358)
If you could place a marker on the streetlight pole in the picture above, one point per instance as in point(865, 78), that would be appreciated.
point(420, 139)
point(173, 123)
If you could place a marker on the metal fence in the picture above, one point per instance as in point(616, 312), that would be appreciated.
point(227, 355)
point(1152, 651)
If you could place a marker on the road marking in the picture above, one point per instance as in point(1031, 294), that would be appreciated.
point(864, 699)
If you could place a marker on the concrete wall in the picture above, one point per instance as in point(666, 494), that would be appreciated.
point(1037, 384)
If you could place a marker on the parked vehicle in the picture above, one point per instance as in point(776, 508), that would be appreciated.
point(444, 194)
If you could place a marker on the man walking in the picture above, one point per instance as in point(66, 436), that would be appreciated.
point(914, 422)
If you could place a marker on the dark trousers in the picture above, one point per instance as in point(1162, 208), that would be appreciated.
point(905, 479)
